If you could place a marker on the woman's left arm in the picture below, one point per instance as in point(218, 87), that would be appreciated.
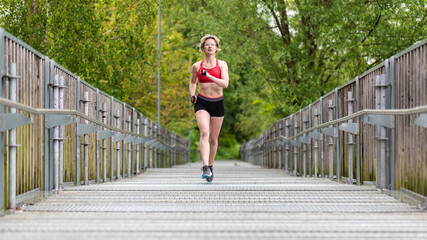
point(223, 81)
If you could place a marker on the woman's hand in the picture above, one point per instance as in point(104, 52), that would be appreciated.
point(193, 99)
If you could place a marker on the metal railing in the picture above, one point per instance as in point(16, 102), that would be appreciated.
point(329, 138)
point(62, 131)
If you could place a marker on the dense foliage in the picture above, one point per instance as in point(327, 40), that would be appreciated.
point(282, 54)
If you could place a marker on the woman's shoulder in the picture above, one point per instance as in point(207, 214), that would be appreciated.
point(197, 64)
point(222, 63)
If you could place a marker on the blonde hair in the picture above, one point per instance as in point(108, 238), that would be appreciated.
point(205, 38)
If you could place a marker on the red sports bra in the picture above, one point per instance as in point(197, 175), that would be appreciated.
point(216, 72)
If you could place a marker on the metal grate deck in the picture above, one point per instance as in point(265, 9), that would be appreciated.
point(244, 201)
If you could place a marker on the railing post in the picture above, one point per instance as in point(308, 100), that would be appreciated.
point(174, 151)
point(164, 152)
point(56, 133)
point(46, 130)
point(281, 148)
point(145, 144)
point(96, 136)
point(159, 152)
point(358, 135)
point(12, 141)
point(167, 155)
point(287, 125)
point(123, 142)
point(86, 139)
point(153, 148)
point(151, 159)
point(133, 129)
point(350, 138)
point(273, 147)
point(51, 164)
point(322, 150)
point(301, 147)
point(104, 144)
point(77, 136)
point(304, 148)
point(169, 136)
point(265, 151)
point(141, 146)
point(163, 139)
point(310, 157)
point(381, 133)
point(129, 148)
point(331, 141)
point(316, 146)
point(112, 118)
point(291, 148)
point(337, 145)
point(138, 148)
point(393, 132)
point(117, 117)
point(2, 72)
point(295, 150)
point(61, 132)
point(158, 137)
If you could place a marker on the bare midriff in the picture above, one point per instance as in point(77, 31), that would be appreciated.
point(211, 90)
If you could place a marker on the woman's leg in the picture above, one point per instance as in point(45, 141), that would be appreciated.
point(215, 128)
point(202, 118)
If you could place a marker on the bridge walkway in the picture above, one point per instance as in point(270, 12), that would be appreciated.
point(243, 202)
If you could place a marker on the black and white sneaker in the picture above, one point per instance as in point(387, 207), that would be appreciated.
point(206, 172)
point(209, 179)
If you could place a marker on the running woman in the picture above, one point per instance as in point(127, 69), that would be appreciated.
point(212, 75)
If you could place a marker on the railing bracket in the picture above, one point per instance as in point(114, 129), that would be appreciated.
point(103, 134)
point(118, 137)
point(382, 120)
point(305, 140)
point(332, 132)
point(315, 135)
point(349, 127)
point(13, 120)
point(295, 143)
point(57, 120)
point(83, 129)
point(129, 139)
point(421, 120)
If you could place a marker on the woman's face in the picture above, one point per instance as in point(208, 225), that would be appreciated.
point(210, 46)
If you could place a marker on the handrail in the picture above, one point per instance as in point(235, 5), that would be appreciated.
point(43, 111)
point(415, 110)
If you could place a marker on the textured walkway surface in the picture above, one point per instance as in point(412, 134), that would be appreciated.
point(243, 202)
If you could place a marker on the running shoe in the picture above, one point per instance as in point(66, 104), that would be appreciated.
point(206, 172)
point(209, 179)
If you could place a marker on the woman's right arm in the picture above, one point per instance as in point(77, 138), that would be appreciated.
point(193, 80)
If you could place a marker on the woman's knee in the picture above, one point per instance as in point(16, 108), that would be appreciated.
point(204, 134)
point(213, 141)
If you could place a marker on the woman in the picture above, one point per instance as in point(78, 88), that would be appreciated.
point(212, 75)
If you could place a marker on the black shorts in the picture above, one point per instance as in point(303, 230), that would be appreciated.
point(214, 106)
